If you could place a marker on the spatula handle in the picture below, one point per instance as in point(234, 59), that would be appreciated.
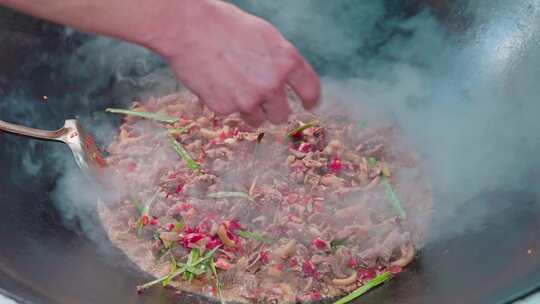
point(26, 131)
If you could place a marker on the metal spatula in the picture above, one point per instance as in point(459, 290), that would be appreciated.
point(81, 143)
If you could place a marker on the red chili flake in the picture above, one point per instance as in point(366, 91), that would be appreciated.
point(318, 206)
point(88, 142)
point(98, 159)
point(395, 269)
point(223, 264)
point(309, 269)
point(183, 121)
point(212, 142)
point(293, 262)
point(153, 221)
point(366, 274)
point(169, 227)
point(319, 244)
point(145, 220)
point(297, 136)
point(179, 188)
point(335, 165)
point(173, 175)
point(351, 262)
point(212, 243)
point(131, 166)
point(189, 239)
point(263, 257)
point(188, 230)
point(232, 225)
point(305, 147)
point(280, 266)
point(222, 136)
point(315, 296)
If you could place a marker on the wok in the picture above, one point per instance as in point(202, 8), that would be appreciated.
point(45, 256)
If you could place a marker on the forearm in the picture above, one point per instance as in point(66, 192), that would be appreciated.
point(138, 21)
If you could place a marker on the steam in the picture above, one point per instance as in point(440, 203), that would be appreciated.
point(465, 99)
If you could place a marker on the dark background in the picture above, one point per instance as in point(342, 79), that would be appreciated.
point(47, 258)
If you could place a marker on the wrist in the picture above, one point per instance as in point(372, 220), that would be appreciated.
point(172, 22)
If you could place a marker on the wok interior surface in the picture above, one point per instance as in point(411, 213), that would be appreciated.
point(43, 259)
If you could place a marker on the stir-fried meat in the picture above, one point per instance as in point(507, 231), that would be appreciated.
point(285, 212)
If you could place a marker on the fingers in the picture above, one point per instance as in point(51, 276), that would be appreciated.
point(255, 118)
point(305, 82)
point(276, 107)
point(220, 107)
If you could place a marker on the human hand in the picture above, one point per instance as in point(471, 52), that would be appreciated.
point(236, 62)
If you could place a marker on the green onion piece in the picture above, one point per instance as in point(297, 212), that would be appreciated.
point(218, 284)
point(145, 211)
point(383, 277)
point(184, 155)
point(151, 283)
point(193, 258)
point(177, 131)
point(183, 269)
point(178, 226)
point(171, 272)
point(372, 161)
point(392, 197)
point(252, 235)
point(229, 194)
point(336, 243)
point(301, 128)
point(149, 115)
point(137, 204)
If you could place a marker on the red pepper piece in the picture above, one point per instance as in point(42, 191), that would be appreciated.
point(223, 264)
point(222, 136)
point(309, 269)
point(293, 262)
point(315, 296)
point(366, 274)
point(189, 239)
point(305, 147)
point(145, 220)
point(395, 269)
point(335, 165)
point(212, 243)
point(131, 166)
point(351, 262)
point(263, 257)
point(179, 188)
point(319, 244)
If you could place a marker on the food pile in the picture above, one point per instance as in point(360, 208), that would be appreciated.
point(278, 214)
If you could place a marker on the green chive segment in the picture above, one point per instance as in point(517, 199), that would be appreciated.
point(383, 277)
point(154, 116)
point(194, 166)
point(392, 197)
